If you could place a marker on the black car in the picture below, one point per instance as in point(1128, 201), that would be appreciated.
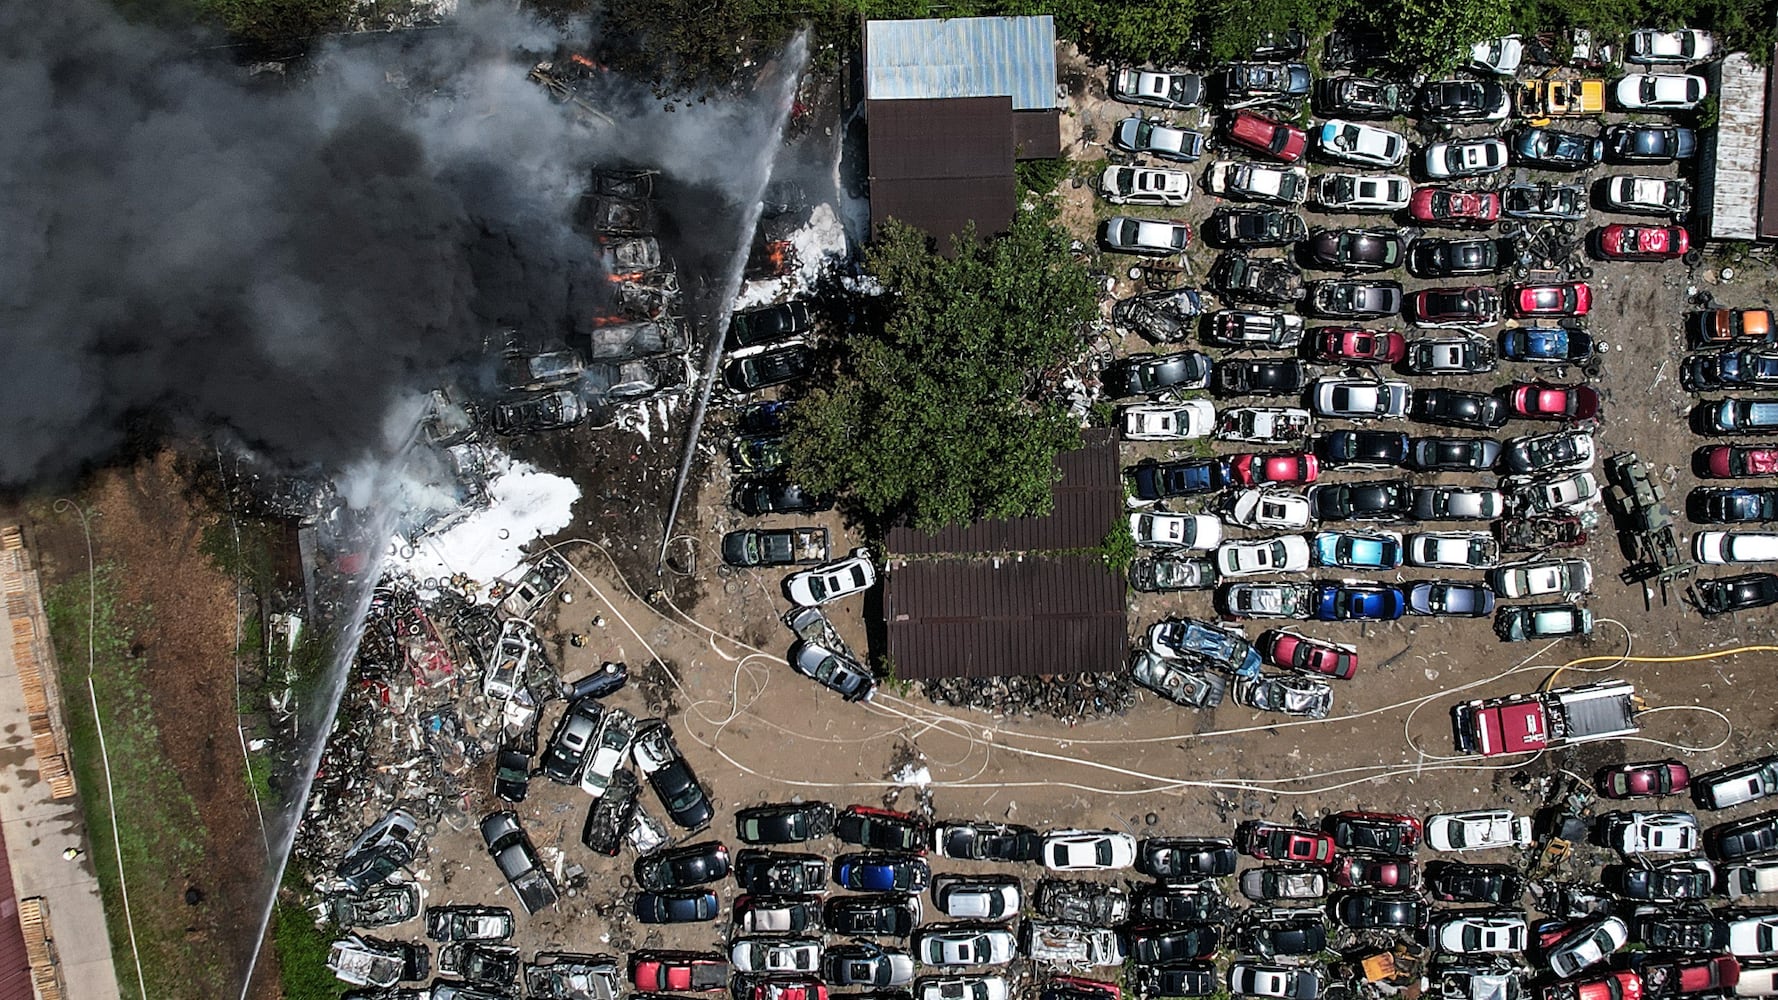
point(512, 774)
point(1355, 250)
point(1155, 480)
point(1255, 227)
point(1249, 81)
point(1373, 500)
point(1163, 944)
point(775, 495)
point(608, 819)
point(679, 907)
point(1360, 97)
point(1164, 317)
point(1665, 883)
point(1458, 408)
point(1553, 149)
point(767, 324)
point(1271, 933)
point(975, 841)
point(882, 829)
point(880, 915)
point(683, 867)
point(1349, 45)
point(1363, 449)
point(1752, 837)
point(1727, 594)
point(1259, 377)
point(1239, 275)
point(1538, 452)
point(569, 744)
point(1682, 932)
point(784, 822)
point(1456, 882)
point(1453, 454)
point(1377, 910)
point(1166, 905)
point(1345, 299)
point(771, 873)
point(1633, 143)
point(680, 794)
point(1461, 101)
point(1175, 859)
point(1145, 374)
point(1732, 504)
point(1396, 836)
point(768, 368)
point(1433, 257)
point(1187, 979)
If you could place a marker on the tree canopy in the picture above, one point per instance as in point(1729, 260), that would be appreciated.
point(937, 411)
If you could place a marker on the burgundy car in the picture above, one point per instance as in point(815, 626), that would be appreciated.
point(1453, 207)
point(1359, 871)
point(1661, 777)
point(1548, 401)
point(1272, 842)
point(1620, 242)
point(1315, 656)
point(1268, 136)
point(1474, 306)
point(1284, 467)
point(1569, 298)
point(1339, 343)
point(1736, 461)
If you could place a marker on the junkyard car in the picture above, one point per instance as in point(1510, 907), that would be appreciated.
point(833, 581)
point(1258, 182)
point(1477, 830)
point(1126, 185)
point(1177, 681)
point(1158, 137)
point(1177, 91)
point(1347, 192)
point(1146, 237)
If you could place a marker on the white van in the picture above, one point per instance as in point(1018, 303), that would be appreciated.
point(1717, 548)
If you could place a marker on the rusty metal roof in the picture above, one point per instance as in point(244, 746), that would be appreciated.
point(1089, 499)
point(995, 617)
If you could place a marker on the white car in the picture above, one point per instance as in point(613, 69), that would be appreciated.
point(1356, 142)
point(1543, 576)
point(1452, 549)
point(776, 955)
point(1259, 556)
point(963, 988)
point(1176, 531)
point(1158, 137)
point(1361, 398)
point(1542, 451)
point(506, 672)
point(1344, 192)
point(1751, 879)
point(976, 899)
point(609, 749)
point(1145, 186)
point(1264, 424)
point(1286, 982)
point(1500, 56)
point(1193, 418)
point(1268, 508)
point(1651, 45)
point(1754, 935)
point(942, 946)
point(1652, 832)
point(1723, 548)
point(1587, 946)
point(1758, 979)
point(832, 581)
point(1643, 195)
point(1481, 934)
point(1088, 850)
point(1145, 237)
point(1464, 158)
point(1267, 182)
point(1577, 490)
point(1178, 91)
point(1477, 830)
point(1660, 92)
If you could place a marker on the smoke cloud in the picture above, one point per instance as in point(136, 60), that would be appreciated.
point(283, 263)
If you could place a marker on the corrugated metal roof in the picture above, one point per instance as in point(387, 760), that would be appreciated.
point(992, 618)
point(1734, 172)
point(937, 165)
point(962, 57)
point(1089, 499)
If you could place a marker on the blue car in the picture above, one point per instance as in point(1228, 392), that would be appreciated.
point(1154, 480)
point(1340, 602)
point(1183, 638)
point(1545, 343)
point(1357, 549)
point(881, 872)
point(1747, 366)
point(1557, 150)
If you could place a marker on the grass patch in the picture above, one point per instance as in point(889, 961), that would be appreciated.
point(162, 836)
point(302, 950)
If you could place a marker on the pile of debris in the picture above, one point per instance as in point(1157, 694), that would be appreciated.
point(1069, 697)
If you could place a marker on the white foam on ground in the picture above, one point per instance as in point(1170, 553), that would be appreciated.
point(818, 246)
point(527, 503)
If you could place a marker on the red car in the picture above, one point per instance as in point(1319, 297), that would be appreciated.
point(1284, 467)
point(1267, 136)
point(1622, 985)
point(1338, 343)
point(1271, 842)
point(1358, 871)
point(1620, 242)
point(1074, 988)
point(1570, 298)
point(1737, 461)
point(1690, 974)
point(673, 971)
point(1453, 207)
point(789, 989)
point(1477, 305)
point(1313, 656)
point(1548, 401)
point(1660, 777)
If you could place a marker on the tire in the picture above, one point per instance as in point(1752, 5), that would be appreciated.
point(1583, 272)
point(1693, 257)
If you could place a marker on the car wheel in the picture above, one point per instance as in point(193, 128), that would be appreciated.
point(1693, 257)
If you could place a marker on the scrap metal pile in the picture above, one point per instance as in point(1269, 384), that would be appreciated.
point(1068, 697)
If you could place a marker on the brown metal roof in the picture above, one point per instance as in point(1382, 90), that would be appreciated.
point(994, 617)
point(937, 164)
point(1768, 167)
point(1037, 135)
point(15, 964)
point(1089, 499)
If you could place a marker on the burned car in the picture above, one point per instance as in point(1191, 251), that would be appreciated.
point(531, 412)
point(1164, 317)
point(1258, 279)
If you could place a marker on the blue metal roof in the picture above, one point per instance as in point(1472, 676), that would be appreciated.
point(963, 57)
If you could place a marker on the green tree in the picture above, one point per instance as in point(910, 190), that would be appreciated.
point(938, 410)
